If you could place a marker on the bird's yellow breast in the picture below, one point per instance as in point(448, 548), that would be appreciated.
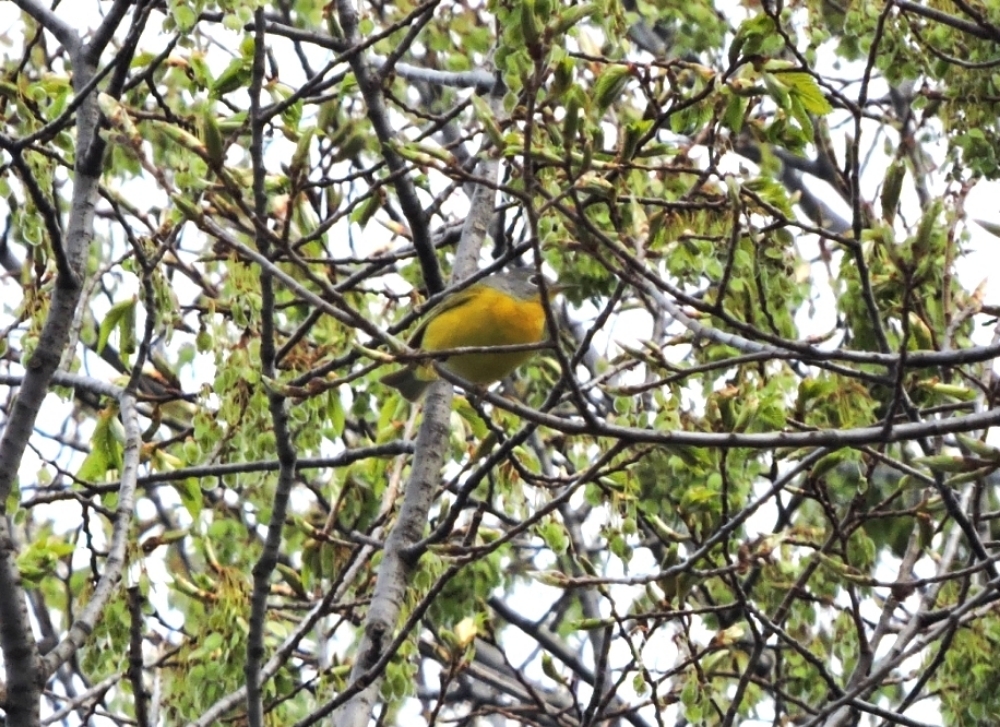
point(488, 317)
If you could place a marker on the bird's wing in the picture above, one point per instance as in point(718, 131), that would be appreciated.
point(454, 300)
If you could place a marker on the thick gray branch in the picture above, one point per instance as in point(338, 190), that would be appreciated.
point(115, 563)
point(397, 563)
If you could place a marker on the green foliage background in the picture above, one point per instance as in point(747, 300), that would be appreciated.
point(760, 210)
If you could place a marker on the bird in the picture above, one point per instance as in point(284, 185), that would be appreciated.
point(504, 309)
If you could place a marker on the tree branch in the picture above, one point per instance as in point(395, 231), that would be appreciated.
point(945, 19)
point(114, 565)
point(398, 560)
point(268, 560)
point(379, 117)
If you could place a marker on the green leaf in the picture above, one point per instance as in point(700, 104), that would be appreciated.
point(363, 213)
point(235, 76)
point(733, 116)
point(191, 496)
point(212, 137)
point(184, 17)
point(39, 558)
point(570, 16)
point(803, 86)
point(120, 315)
point(777, 90)
point(892, 187)
point(610, 85)
point(755, 36)
point(105, 448)
point(476, 424)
